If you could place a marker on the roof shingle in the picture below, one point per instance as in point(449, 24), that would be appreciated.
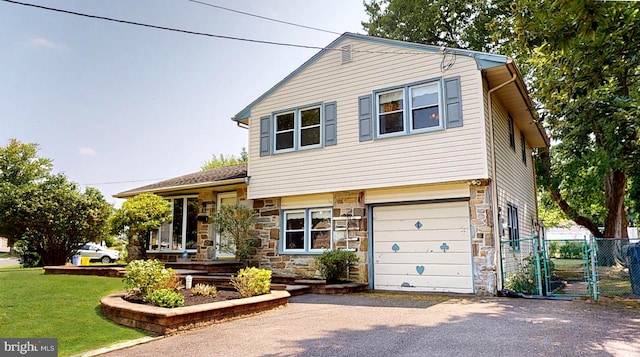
point(212, 176)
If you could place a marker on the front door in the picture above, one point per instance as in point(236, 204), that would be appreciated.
point(225, 247)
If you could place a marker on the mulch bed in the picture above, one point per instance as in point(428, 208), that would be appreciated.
point(190, 300)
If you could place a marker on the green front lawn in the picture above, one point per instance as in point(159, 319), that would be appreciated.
point(66, 307)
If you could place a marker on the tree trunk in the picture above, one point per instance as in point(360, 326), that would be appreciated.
point(615, 225)
point(136, 249)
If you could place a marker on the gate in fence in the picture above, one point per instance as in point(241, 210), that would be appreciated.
point(569, 267)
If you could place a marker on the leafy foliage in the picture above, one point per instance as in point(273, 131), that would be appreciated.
point(459, 24)
point(165, 298)
point(236, 221)
point(335, 264)
point(47, 212)
point(524, 280)
point(252, 281)
point(571, 250)
point(145, 276)
point(204, 290)
point(228, 160)
point(137, 217)
point(27, 258)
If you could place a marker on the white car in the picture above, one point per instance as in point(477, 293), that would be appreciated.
point(98, 253)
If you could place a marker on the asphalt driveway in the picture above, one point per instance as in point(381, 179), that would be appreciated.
point(372, 324)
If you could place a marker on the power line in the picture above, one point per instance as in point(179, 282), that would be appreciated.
point(117, 182)
point(207, 34)
point(264, 17)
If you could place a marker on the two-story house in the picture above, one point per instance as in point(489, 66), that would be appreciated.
point(416, 157)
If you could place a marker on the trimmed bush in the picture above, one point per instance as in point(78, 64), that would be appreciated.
point(204, 290)
point(165, 298)
point(252, 281)
point(335, 264)
point(145, 276)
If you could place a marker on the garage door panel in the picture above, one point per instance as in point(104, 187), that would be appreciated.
point(415, 236)
point(429, 270)
point(426, 224)
point(403, 247)
point(422, 258)
point(406, 257)
point(422, 283)
point(436, 210)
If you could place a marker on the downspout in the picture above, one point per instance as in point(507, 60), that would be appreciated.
point(494, 184)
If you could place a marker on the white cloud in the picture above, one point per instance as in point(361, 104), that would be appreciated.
point(43, 42)
point(86, 151)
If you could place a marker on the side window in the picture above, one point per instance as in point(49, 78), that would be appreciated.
point(524, 148)
point(512, 134)
point(513, 226)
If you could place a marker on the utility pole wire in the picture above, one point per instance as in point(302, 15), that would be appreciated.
point(163, 27)
point(208, 34)
point(264, 17)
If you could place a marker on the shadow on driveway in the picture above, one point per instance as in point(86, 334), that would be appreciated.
point(373, 324)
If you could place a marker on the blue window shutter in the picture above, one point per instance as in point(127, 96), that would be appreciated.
point(330, 124)
point(265, 136)
point(453, 104)
point(365, 118)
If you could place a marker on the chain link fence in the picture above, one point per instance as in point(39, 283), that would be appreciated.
point(589, 267)
point(617, 267)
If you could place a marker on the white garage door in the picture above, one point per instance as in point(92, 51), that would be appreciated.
point(422, 247)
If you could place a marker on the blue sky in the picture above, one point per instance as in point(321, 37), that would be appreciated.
point(113, 103)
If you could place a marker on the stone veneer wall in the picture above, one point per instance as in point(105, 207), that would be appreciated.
point(484, 268)
point(267, 231)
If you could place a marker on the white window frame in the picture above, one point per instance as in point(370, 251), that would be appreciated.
point(276, 132)
point(308, 229)
point(401, 110)
point(297, 128)
point(185, 218)
point(407, 108)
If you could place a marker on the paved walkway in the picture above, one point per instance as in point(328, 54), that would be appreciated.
point(413, 325)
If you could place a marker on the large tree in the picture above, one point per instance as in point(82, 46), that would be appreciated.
point(226, 160)
point(136, 218)
point(583, 69)
point(45, 212)
point(581, 61)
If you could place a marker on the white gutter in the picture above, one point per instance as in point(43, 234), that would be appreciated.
point(187, 187)
point(494, 184)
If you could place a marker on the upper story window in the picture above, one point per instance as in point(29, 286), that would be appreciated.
point(408, 109)
point(391, 112)
point(305, 127)
point(413, 108)
point(307, 230)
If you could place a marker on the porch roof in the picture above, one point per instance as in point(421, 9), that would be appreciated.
point(219, 176)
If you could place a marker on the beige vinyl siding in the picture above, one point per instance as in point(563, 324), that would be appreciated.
point(455, 154)
point(416, 193)
point(515, 180)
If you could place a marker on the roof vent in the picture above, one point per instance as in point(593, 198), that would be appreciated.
point(346, 54)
